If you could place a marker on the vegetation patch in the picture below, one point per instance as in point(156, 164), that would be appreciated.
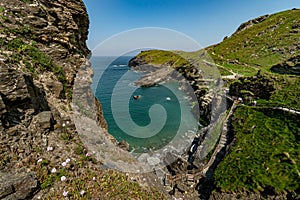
point(33, 59)
point(262, 45)
point(160, 57)
point(265, 156)
point(287, 94)
point(268, 90)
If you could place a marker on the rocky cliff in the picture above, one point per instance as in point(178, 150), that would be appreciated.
point(197, 75)
point(41, 43)
point(42, 48)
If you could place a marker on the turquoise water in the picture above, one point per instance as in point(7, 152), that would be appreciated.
point(150, 122)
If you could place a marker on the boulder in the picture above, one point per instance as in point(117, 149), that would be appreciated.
point(250, 23)
point(290, 66)
point(17, 186)
point(43, 120)
point(14, 85)
point(18, 90)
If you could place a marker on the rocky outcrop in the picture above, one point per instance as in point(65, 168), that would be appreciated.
point(140, 64)
point(256, 87)
point(20, 97)
point(18, 186)
point(59, 27)
point(42, 53)
point(291, 66)
point(192, 80)
point(43, 45)
point(250, 23)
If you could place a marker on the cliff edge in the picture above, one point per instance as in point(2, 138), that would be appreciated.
point(42, 49)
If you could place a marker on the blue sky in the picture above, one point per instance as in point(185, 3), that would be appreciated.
point(206, 21)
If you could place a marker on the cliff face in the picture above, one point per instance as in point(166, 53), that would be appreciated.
point(43, 45)
point(43, 55)
point(193, 72)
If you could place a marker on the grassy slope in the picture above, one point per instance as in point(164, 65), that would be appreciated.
point(266, 152)
point(287, 94)
point(265, 155)
point(160, 57)
point(259, 46)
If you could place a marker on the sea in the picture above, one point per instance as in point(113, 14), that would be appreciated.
point(152, 120)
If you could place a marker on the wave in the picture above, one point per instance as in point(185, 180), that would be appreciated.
point(119, 65)
point(191, 132)
point(132, 85)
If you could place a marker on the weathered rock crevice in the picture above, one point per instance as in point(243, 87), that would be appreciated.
point(43, 45)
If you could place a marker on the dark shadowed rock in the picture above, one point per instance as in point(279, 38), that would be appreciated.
point(291, 66)
point(18, 90)
point(14, 85)
point(124, 145)
point(19, 95)
point(17, 186)
point(2, 106)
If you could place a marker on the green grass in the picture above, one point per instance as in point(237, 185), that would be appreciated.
point(255, 45)
point(240, 69)
point(79, 150)
point(183, 62)
point(224, 72)
point(85, 173)
point(109, 184)
point(159, 57)
point(287, 94)
point(260, 46)
point(48, 182)
point(265, 155)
